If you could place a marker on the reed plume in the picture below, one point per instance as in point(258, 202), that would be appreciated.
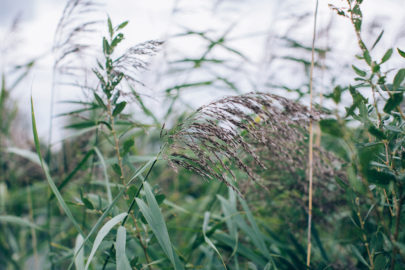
point(259, 129)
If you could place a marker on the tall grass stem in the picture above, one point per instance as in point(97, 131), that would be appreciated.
point(311, 135)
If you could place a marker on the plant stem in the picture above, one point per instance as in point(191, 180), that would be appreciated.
point(33, 232)
point(364, 236)
point(144, 246)
point(395, 250)
point(310, 156)
point(116, 141)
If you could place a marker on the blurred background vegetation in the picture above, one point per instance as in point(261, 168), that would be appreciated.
point(127, 173)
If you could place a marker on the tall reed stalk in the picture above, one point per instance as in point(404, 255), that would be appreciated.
point(310, 145)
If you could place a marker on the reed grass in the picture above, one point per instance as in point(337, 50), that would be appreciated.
point(127, 189)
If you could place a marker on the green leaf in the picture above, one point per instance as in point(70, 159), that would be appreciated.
point(102, 234)
point(377, 40)
point(107, 181)
point(116, 81)
point(401, 53)
point(128, 144)
point(82, 125)
point(121, 257)
point(252, 231)
point(368, 153)
point(110, 27)
point(117, 40)
point(379, 134)
point(381, 178)
point(243, 250)
point(19, 221)
point(387, 56)
point(332, 127)
point(393, 102)
point(116, 168)
point(72, 173)
point(358, 255)
point(160, 198)
point(100, 101)
point(107, 211)
point(106, 47)
point(100, 78)
point(256, 234)
point(33, 157)
point(358, 71)
point(48, 176)
point(357, 20)
point(337, 93)
point(121, 26)
point(398, 79)
point(207, 240)
point(367, 57)
point(132, 191)
point(79, 260)
point(87, 203)
point(154, 217)
point(119, 108)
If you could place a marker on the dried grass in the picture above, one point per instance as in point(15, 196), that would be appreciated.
point(258, 136)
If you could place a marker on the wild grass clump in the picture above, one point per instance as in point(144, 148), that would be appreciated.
point(255, 133)
point(108, 200)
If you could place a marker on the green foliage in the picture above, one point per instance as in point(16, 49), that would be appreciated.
point(109, 200)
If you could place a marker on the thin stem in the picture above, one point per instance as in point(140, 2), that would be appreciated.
point(395, 250)
point(364, 236)
point(48, 229)
point(33, 232)
point(310, 156)
point(116, 141)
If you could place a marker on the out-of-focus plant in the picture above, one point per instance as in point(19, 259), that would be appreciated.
point(109, 200)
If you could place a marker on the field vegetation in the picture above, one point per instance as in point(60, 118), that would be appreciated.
point(257, 179)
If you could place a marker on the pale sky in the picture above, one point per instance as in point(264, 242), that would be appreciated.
point(154, 19)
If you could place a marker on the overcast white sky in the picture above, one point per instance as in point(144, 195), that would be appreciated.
point(154, 19)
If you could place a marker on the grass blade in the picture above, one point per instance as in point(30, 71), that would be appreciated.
point(107, 211)
point(19, 221)
point(207, 240)
point(79, 260)
point(102, 233)
point(31, 156)
point(256, 234)
point(107, 181)
point(154, 217)
point(121, 257)
point(75, 170)
point(48, 176)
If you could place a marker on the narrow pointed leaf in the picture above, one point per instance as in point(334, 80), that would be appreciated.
point(401, 52)
point(154, 218)
point(48, 176)
point(398, 79)
point(119, 108)
point(387, 56)
point(79, 260)
point(207, 240)
point(19, 221)
point(107, 181)
point(121, 257)
point(107, 211)
point(102, 234)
